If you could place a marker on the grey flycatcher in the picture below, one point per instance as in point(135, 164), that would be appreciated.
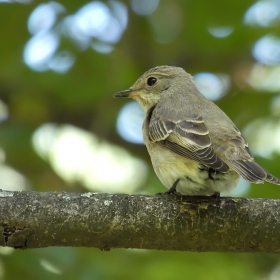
point(194, 147)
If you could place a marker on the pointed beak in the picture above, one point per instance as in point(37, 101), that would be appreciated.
point(124, 93)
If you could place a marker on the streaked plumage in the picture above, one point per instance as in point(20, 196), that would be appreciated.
point(190, 138)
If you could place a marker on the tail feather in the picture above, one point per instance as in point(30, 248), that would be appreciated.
point(252, 172)
point(272, 179)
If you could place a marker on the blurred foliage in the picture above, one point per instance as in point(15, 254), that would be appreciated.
point(176, 33)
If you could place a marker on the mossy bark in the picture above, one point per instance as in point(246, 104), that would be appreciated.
point(162, 222)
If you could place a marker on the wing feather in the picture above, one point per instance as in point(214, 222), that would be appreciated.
point(244, 169)
point(187, 135)
point(191, 126)
point(188, 138)
point(197, 139)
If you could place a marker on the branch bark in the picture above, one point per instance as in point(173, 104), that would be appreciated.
point(162, 222)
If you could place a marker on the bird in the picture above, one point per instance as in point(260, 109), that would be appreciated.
point(195, 148)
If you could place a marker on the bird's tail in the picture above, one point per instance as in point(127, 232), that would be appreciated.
point(272, 179)
point(252, 172)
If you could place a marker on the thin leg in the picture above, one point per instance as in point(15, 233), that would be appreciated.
point(216, 196)
point(173, 188)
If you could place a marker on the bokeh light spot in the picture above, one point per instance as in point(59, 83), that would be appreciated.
point(102, 47)
point(267, 50)
point(5, 251)
point(264, 136)
point(221, 31)
point(97, 20)
point(144, 7)
point(263, 13)
point(79, 156)
point(61, 62)
point(129, 122)
point(11, 180)
point(275, 273)
point(242, 189)
point(39, 50)
point(50, 267)
point(212, 86)
point(44, 17)
point(93, 18)
point(96, 24)
point(265, 78)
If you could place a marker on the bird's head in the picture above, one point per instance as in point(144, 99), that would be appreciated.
point(156, 84)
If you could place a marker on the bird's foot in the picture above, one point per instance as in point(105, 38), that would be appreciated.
point(172, 190)
point(216, 196)
point(169, 193)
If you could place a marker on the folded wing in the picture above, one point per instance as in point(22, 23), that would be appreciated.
point(189, 137)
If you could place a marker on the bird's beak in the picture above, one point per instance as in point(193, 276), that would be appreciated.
point(124, 93)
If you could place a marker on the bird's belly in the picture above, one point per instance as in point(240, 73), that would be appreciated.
point(193, 178)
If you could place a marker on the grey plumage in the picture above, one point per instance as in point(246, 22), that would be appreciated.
point(189, 138)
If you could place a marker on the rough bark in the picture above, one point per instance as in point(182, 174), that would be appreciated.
point(162, 222)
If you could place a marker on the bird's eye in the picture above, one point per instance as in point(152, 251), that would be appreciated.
point(151, 81)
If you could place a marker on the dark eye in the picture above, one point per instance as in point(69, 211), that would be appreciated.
point(151, 81)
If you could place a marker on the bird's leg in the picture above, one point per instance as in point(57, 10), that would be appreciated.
point(216, 196)
point(210, 172)
point(173, 188)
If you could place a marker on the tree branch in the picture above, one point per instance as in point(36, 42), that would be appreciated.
point(163, 222)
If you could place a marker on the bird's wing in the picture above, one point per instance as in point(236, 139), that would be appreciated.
point(188, 137)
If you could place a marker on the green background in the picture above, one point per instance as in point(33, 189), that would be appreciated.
point(176, 33)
